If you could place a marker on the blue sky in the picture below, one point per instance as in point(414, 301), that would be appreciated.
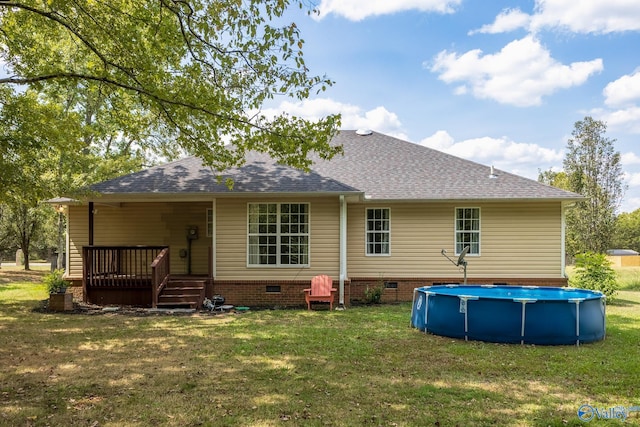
point(497, 82)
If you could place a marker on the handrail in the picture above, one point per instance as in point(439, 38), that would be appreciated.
point(118, 266)
point(160, 269)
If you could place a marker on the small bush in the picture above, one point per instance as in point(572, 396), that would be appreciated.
point(373, 294)
point(593, 271)
point(55, 282)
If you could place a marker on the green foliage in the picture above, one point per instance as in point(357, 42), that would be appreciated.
point(30, 227)
point(593, 271)
point(553, 178)
point(593, 169)
point(55, 282)
point(627, 231)
point(177, 77)
point(373, 294)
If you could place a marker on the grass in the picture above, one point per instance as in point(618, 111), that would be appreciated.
point(628, 277)
point(361, 367)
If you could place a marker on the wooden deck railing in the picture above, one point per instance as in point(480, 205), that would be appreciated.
point(118, 266)
point(160, 275)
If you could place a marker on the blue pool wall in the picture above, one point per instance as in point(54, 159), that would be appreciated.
point(552, 316)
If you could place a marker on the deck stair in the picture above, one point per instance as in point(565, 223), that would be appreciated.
point(183, 292)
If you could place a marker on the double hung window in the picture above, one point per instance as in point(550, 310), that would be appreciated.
point(378, 231)
point(468, 230)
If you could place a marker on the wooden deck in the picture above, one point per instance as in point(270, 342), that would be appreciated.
point(137, 276)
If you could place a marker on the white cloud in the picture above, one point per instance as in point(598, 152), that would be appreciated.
point(520, 74)
point(623, 91)
point(631, 159)
point(515, 157)
point(507, 20)
point(624, 120)
point(353, 117)
point(587, 16)
point(633, 179)
point(357, 10)
point(441, 140)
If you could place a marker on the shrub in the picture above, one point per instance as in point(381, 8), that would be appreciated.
point(55, 282)
point(373, 294)
point(593, 271)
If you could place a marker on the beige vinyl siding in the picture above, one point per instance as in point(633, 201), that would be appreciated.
point(516, 240)
point(231, 238)
point(78, 229)
point(154, 224)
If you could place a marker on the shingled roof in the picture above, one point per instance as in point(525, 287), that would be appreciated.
point(377, 166)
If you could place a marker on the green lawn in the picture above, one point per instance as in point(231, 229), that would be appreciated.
point(361, 367)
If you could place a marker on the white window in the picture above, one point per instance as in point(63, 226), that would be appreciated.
point(278, 234)
point(468, 230)
point(209, 222)
point(378, 231)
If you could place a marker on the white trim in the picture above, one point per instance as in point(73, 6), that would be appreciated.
point(67, 256)
point(278, 235)
point(455, 230)
point(563, 237)
point(366, 231)
point(343, 248)
point(214, 260)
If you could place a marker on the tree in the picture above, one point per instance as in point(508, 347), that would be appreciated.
point(553, 178)
point(627, 231)
point(22, 225)
point(195, 73)
point(593, 169)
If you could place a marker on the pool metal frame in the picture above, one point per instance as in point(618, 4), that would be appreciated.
point(465, 298)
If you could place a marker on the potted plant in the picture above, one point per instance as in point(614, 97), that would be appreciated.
point(59, 299)
point(56, 284)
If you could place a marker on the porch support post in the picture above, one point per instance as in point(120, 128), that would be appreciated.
point(343, 248)
point(90, 223)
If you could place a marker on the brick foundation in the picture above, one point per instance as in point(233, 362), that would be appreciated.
point(274, 293)
point(289, 293)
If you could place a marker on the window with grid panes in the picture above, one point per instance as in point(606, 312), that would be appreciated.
point(278, 234)
point(468, 230)
point(378, 231)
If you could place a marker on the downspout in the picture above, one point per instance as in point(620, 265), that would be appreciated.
point(563, 237)
point(343, 249)
point(213, 239)
point(563, 244)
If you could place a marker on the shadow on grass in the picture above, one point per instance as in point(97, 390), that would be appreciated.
point(362, 366)
point(622, 302)
point(14, 275)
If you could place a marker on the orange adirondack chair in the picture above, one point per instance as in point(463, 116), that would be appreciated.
point(320, 291)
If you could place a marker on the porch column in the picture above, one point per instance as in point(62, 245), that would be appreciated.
point(90, 223)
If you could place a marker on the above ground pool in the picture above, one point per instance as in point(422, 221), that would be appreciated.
point(510, 314)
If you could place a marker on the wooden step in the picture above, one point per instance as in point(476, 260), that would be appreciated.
point(191, 290)
point(182, 292)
